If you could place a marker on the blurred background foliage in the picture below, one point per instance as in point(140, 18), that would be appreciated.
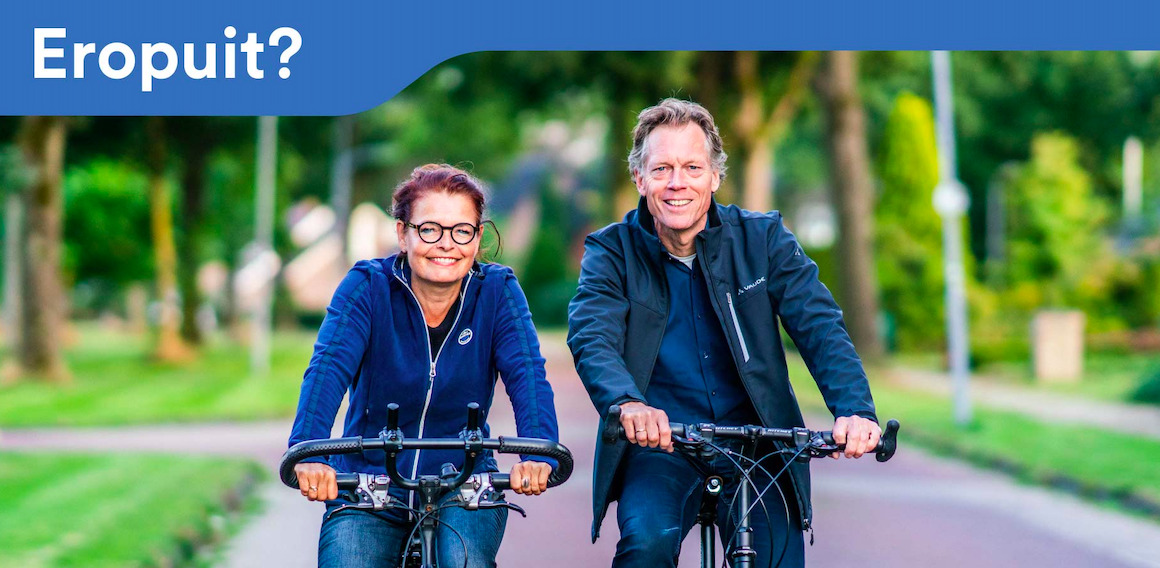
point(1040, 139)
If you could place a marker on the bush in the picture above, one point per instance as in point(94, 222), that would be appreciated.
point(106, 228)
point(1149, 389)
point(909, 232)
point(546, 277)
point(1057, 256)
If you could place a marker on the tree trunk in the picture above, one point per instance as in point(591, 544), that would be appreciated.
point(44, 301)
point(760, 131)
point(758, 193)
point(170, 346)
point(192, 192)
point(13, 264)
point(854, 197)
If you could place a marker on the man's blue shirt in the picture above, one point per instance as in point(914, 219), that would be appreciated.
point(695, 379)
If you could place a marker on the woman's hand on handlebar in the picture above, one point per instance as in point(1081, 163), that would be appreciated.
point(316, 481)
point(859, 434)
point(530, 477)
point(646, 426)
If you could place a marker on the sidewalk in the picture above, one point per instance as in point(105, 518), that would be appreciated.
point(1142, 420)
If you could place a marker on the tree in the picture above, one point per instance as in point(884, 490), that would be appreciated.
point(545, 277)
point(853, 195)
point(199, 137)
point(42, 140)
point(1055, 247)
point(107, 202)
point(908, 230)
point(762, 121)
point(170, 346)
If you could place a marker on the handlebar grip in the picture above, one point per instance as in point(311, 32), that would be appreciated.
point(887, 444)
point(501, 481)
point(392, 416)
point(613, 431)
point(545, 448)
point(310, 449)
point(472, 416)
point(346, 480)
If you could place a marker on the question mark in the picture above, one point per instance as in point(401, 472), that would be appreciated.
point(295, 45)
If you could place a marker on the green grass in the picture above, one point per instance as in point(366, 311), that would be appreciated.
point(116, 509)
point(1108, 375)
point(1100, 461)
point(114, 382)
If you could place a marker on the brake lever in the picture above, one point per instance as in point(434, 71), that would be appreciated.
point(506, 505)
point(696, 442)
point(818, 448)
point(478, 493)
point(371, 494)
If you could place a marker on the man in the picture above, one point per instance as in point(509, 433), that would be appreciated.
point(676, 318)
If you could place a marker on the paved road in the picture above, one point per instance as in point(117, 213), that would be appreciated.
point(914, 511)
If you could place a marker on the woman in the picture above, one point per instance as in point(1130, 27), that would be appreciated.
point(428, 329)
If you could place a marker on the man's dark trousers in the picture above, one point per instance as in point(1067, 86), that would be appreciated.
point(660, 496)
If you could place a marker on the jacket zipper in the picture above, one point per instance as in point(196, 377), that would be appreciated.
point(737, 327)
point(745, 353)
point(434, 360)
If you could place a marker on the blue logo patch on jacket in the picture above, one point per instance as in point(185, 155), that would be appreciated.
point(465, 337)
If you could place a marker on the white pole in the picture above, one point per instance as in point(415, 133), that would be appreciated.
point(1133, 178)
point(264, 239)
point(951, 201)
point(342, 174)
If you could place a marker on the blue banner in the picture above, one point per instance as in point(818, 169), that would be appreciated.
point(215, 57)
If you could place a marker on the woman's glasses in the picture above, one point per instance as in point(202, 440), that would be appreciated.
point(431, 232)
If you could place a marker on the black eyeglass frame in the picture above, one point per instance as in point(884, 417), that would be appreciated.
point(475, 230)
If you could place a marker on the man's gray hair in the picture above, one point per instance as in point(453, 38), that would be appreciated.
point(675, 112)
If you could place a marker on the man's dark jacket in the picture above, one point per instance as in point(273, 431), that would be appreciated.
point(756, 272)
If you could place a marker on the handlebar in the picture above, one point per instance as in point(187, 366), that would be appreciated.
point(816, 443)
point(391, 441)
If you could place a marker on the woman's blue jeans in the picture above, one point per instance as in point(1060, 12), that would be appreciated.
point(359, 539)
point(660, 496)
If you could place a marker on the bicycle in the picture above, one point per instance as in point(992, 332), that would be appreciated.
point(452, 487)
point(800, 444)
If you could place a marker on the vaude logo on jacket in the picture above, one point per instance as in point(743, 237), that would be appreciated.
point(465, 337)
point(750, 286)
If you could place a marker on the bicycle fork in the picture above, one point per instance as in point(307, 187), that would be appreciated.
point(707, 517)
point(743, 553)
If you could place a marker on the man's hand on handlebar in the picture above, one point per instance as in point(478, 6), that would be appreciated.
point(530, 477)
point(316, 481)
point(859, 434)
point(646, 426)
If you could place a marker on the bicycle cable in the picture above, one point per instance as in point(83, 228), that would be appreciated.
point(422, 515)
point(759, 498)
point(785, 502)
point(744, 472)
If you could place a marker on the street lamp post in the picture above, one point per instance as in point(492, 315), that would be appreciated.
point(264, 241)
point(951, 202)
